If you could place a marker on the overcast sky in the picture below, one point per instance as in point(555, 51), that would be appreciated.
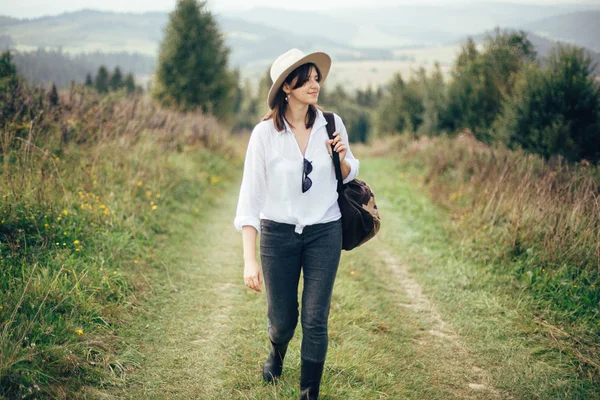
point(38, 8)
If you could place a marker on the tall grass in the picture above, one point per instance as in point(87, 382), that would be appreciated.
point(87, 188)
point(537, 221)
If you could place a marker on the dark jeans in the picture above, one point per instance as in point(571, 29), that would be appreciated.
point(283, 254)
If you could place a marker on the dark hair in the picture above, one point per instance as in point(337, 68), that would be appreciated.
point(278, 111)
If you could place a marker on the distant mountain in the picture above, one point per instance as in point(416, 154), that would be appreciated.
point(299, 23)
point(4, 21)
point(581, 28)
point(256, 36)
point(411, 25)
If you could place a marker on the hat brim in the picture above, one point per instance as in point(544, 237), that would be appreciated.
point(321, 60)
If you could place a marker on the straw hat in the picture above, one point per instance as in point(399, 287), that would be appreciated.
point(289, 61)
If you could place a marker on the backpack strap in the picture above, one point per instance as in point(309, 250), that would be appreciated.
point(336, 157)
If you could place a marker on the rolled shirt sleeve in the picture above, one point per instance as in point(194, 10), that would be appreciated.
point(253, 187)
point(350, 159)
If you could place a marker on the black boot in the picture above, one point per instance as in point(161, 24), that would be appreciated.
point(310, 379)
point(274, 364)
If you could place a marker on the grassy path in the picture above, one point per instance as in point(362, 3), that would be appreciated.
point(410, 318)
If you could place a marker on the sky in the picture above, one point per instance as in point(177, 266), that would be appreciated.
point(38, 8)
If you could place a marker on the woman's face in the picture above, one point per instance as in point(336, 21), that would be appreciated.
point(307, 93)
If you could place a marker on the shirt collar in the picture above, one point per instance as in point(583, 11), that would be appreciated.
point(319, 122)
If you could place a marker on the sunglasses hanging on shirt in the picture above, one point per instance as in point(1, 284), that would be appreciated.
point(306, 181)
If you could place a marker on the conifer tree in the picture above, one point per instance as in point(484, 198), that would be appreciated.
point(53, 96)
point(129, 83)
point(192, 67)
point(88, 80)
point(116, 79)
point(102, 80)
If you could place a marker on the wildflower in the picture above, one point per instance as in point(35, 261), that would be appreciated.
point(139, 183)
point(151, 203)
point(76, 242)
point(1, 307)
point(106, 212)
point(135, 261)
point(46, 226)
point(214, 180)
point(64, 244)
point(59, 218)
point(79, 332)
point(352, 273)
point(65, 212)
point(154, 207)
point(115, 272)
point(102, 206)
point(157, 195)
point(95, 182)
point(148, 193)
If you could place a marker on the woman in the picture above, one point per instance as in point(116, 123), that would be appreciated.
point(288, 195)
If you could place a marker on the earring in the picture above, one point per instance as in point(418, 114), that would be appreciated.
point(287, 97)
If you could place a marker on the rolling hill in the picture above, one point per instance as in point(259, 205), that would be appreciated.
point(581, 28)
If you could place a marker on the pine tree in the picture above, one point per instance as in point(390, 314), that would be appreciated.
point(53, 96)
point(192, 67)
point(88, 80)
point(7, 68)
point(116, 79)
point(102, 80)
point(129, 83)
point(555, 108)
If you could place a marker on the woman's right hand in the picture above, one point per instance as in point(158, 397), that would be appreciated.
point(253, 275)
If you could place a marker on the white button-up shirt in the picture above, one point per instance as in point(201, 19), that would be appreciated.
point(273, 169)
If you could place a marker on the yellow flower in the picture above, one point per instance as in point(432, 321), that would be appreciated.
point(79, 331)
point(106, 212)
point(76, 242)
point(64, 244)
point(65, 212)
point(214, 180)
point(59, 218)
point(1, 307)
point(114, 272)
point(151, 203)
point(95, 182)
point(135, 261)
point(352, 273)
point(148, 193)
point(154, 207)
point(157, 195)
point(139, 183)
point(102, 206)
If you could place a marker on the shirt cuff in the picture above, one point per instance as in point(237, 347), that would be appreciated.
point(353, 171)
point(239, 222)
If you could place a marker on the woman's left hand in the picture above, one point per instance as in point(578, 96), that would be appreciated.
point(339, 146)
